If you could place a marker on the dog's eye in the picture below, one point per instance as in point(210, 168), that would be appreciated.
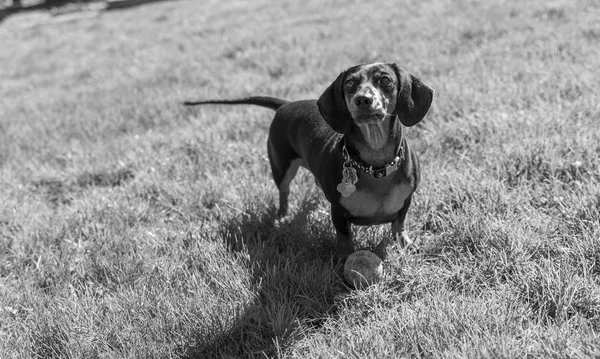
point(385, 81)
point(350, 84)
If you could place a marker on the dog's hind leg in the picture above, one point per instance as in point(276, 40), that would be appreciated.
point(283, 184)
point(284, 166)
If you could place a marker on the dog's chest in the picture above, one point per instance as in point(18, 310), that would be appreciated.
point(376, 198)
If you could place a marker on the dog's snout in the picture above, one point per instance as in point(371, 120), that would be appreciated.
point(363, 101)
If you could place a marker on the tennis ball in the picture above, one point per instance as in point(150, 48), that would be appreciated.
point(363, 268)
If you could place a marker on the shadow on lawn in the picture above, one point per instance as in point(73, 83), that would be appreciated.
point(295, 269)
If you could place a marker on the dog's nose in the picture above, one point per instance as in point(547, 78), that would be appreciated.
point(363, 101)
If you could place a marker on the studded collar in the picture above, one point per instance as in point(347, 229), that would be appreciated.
point(377, 172)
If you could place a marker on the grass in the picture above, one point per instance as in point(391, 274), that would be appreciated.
point(132, 227)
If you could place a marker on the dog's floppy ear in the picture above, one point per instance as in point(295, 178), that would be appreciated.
point(414, 97)
point(332, 106)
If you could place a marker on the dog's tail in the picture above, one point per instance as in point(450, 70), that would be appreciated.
point(264, 101)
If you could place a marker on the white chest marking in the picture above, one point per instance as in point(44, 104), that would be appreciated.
point(367, 202)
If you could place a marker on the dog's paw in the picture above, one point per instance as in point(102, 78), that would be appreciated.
point(410, 246)
point(281, 222)
point(343, 250)
point(343, 255)
point(401, 243)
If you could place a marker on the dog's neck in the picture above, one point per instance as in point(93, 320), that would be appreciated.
point(376, 144)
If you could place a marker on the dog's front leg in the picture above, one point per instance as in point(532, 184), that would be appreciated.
point(399, 235)
point(344, 245)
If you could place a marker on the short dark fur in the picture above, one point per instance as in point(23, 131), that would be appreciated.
point(312, 131)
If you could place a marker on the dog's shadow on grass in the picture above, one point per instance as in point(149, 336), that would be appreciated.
point(296, 276)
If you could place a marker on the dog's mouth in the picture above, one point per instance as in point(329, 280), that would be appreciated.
point(365, 118)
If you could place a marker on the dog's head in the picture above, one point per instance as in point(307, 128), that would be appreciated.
point(366, 94)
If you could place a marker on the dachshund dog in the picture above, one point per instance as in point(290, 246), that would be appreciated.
point(351, 140)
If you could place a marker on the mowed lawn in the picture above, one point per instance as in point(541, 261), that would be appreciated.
point(133, 227)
